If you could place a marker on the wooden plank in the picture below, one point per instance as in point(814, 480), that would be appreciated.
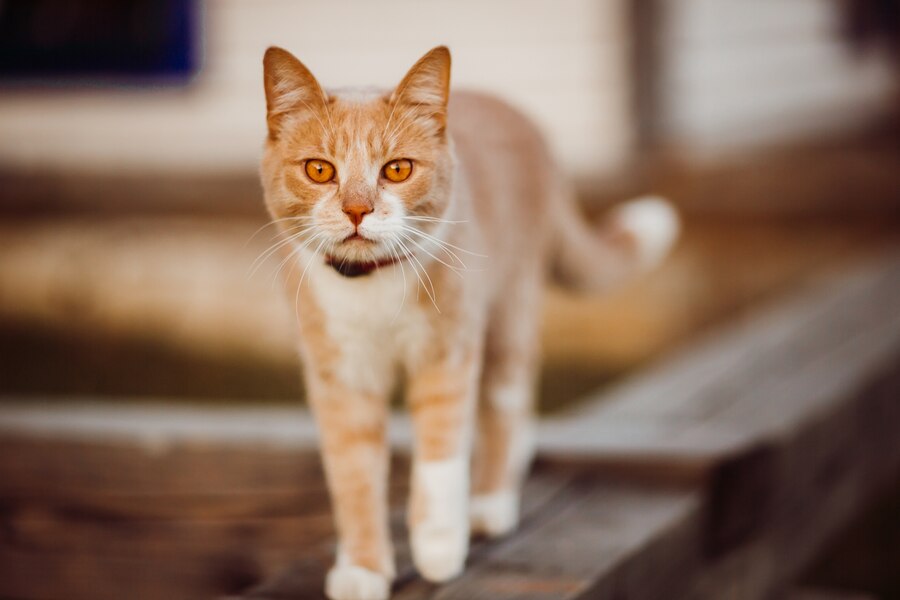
point(66, 556)
point(817, 481)
point(745, 383)
point(35, 532)
point(173, 519)
point(42, 465)
point(667, 412)
point(786, 425)
point(596, 541)
point(824, 594)
point(305, 579)
point(80, 577)
point(802, 476)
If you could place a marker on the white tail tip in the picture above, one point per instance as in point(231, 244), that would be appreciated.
point(654, 223)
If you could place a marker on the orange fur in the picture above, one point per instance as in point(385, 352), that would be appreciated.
point(449, 267)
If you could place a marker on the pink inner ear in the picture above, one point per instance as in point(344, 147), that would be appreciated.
point(428, 81)
point(289, 86)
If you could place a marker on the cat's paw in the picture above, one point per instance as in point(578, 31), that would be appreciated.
point(348, 582)
point(439, 551)
point(439, 532)
point(494, 514)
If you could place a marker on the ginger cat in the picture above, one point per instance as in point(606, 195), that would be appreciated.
point(418, 229)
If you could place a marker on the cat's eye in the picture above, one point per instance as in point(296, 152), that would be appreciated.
point(398, 170)
point(320, 171)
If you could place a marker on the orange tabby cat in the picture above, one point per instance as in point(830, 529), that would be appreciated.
point(419, 228)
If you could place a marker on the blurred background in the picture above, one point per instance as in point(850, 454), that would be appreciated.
point(130, 132)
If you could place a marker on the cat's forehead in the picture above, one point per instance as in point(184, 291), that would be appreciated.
point(357, 122)
point(357, 95)
point(356, 113)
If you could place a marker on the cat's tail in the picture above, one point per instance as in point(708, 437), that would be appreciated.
point(634, 237)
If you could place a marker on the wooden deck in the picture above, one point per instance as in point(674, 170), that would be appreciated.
point(720, 473)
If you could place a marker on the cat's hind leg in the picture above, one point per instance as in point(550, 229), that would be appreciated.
point(504, 445)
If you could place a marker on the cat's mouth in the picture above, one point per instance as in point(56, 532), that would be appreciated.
point(357, 268)
point(356, 237)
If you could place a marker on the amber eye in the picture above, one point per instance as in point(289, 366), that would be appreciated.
point(320, 171)
point(398, 170)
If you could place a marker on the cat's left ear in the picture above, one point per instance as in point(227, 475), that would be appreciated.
point(290, 88)
point(426, 86)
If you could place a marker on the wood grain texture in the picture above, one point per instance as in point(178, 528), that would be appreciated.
point(720, 473)
point(753, 381)
point(595, 542)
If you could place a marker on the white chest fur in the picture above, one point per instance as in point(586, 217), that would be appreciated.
point(375, 321)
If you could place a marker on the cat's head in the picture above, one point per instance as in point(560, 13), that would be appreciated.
point(350, 172)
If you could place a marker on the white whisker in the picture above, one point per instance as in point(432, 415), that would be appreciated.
point(315, 254)
point(431, 219)
point(268, 252)
point(275, 248)
point(446, 250)
point(441, 242)
point(431, 294)
point(407, 254)
point(396, 254)
point(287, 230)
point(453, 268)
point(274, 222)
point(292, 253)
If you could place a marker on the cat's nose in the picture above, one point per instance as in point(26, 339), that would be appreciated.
point(355, 211)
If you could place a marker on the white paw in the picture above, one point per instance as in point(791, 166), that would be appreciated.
point(439, 552)
point(494, 514)
point(655, 224)
point(440, 539)
point(348, 582)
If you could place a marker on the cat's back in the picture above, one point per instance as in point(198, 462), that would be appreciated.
point(470, 106)
point(480, 123)
point(506, 164)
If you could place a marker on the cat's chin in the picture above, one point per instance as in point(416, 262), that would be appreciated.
point(357, 238)
point(357, 268)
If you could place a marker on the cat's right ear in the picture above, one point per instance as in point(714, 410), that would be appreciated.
point(426, 87)
point(290, 89)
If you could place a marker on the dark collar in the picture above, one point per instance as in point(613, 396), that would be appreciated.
point(356, 269)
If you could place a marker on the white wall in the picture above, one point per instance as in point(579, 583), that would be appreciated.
point(739, 73)
point(563, 62)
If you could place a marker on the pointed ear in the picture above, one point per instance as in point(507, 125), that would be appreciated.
point(290, 88)
point(427, 85)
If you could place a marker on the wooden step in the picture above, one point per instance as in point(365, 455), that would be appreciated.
point(720, 472)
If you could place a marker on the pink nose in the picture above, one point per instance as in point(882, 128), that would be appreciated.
point(355, 211)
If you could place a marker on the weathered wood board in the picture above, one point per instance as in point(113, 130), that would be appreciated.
point(719, 473)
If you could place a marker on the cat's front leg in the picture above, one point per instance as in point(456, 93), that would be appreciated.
point(355, 455)
point(441, 399)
